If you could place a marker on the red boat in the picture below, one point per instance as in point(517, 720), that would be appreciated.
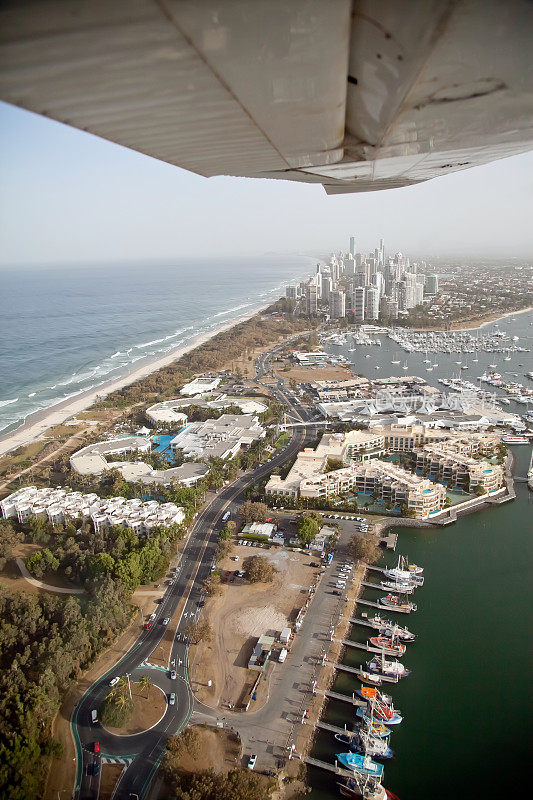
point(388, 644)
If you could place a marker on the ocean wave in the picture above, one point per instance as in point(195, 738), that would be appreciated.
point(115, 355)
point(32, 394)
point(8, 402)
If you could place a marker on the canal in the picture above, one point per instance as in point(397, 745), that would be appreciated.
point(466, 704)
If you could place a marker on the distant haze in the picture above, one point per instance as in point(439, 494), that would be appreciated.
point(69, 197)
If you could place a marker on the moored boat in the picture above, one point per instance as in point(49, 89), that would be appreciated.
point(404, 587)
point(389, 645)
point(360, 763)
point(394, 601)
point(381, 666)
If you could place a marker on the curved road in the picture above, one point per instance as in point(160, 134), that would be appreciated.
point(142, 752)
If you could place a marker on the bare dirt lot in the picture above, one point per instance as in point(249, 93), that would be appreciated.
point(309, 374)
point(239, 615)
point(219, 750)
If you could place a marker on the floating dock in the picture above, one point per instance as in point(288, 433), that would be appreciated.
point(367, 647)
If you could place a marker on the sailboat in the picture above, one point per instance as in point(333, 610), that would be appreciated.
point(399, 585)
point(404, 365)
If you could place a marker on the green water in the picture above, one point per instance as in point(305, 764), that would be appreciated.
point(465, 704)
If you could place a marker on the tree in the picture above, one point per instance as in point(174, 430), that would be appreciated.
point(254, 512)
point(258, 569)
point(308, 529)
point(364, 547)
point(145, 683)
point(228, 530)
point(224, 549)
point(9, 538)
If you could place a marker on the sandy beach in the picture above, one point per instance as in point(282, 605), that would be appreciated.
point(35, 425)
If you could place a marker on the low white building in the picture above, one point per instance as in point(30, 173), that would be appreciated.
point(60, 505)
point(90, 460)
point(199, 386)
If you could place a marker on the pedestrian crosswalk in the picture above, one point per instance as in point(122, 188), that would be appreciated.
point(124, 760)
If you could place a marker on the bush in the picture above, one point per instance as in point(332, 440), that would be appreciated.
point(258, 569)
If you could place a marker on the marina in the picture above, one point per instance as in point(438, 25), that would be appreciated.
point(482, 614)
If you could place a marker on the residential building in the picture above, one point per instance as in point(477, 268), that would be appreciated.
point(200, 385)
point(337, 304)
point(457, 470)
point(61, 505)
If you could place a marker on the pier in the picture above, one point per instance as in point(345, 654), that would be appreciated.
point(373, 586)
point(367, 647)
point(325, 726)
point(386, 609)
point(389, 541)
point(346, 698)
point(315, 762)
point(375, 569)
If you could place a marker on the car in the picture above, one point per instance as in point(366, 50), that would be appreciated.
point(173, 675)
point(235, 558)
point(314, 564)
point(114, 681)
point(335, 591)
point(172, 699)
point(251, 761)
point(152, 616)
point(96, 747)
point(240, 574)
point(166, 620)
point(96, 767)
point(200, 603)
point(147, 626)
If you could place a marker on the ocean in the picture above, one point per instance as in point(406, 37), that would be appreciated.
point(64, 330)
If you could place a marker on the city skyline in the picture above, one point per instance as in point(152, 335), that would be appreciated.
point(69, 197)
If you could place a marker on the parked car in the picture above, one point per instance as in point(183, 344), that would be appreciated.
point(251, 761)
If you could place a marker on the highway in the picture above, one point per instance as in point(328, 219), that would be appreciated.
point(142, 752)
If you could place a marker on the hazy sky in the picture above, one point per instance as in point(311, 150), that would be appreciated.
point(67, 196)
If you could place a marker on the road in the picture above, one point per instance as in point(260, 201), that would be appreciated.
point(142, 752)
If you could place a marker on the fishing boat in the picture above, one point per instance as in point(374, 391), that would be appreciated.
point(389, 645)
point(374, 726)
point(367, 677)
point(405, 571)
point(363, 742)
point(510, 439)
point(381, 706)
point(393, 601)
point(356, 789)
point(404, 587)
point(386, 626)
point(360, 763)
point(382, 667)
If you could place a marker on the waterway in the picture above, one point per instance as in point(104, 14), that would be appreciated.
point(466, 703)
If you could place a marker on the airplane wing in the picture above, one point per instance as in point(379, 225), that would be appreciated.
point(357, 96)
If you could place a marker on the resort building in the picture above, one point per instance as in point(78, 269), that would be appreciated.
point(200, 385)
point(345, 447)
point(222, 437)
point(457, 470)
point(170, 412)
point(60, 505)
point(385, 482)
point(90, 460)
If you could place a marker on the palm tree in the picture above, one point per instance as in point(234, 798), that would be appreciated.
point(145, 683)
point(121, 700)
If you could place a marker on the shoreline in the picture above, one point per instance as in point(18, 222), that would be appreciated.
point(477, 325)
point(37, 423)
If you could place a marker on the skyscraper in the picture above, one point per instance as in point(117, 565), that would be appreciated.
point(352, 245)
point(358, 303)
point(311, 298)
point(337, 304)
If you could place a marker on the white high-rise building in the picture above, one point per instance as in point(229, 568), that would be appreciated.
point(311, 297)
point(337, 304)
point(371, 302)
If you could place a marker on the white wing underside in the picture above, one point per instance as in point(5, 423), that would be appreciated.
point(373, 94)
